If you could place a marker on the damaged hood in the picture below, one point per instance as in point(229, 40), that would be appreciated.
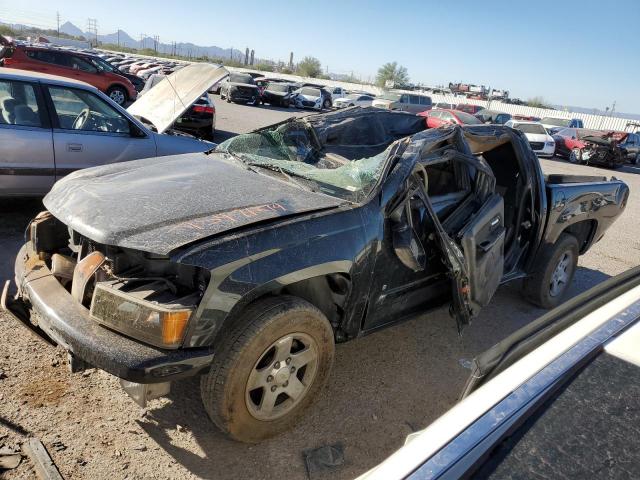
point(172, 96)
point(159, 204)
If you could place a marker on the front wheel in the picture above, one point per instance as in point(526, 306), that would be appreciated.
point(327, 104)
point(268, 369)
point(556, 265)
point(118, 95)
point(575, 156)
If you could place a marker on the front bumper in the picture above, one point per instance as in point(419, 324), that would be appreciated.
point(240, 96)
point(44, 306)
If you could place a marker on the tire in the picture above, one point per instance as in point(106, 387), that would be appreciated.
point(118, 95)
point(575, 156)
point(285, 104)
point(539, 288)
point(249, 355)
point(326, 104)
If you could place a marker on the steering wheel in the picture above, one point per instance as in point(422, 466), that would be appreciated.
point(81, 119)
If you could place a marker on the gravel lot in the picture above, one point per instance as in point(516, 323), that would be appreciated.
point(383, 386)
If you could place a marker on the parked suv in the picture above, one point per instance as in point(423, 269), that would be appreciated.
point(240, 87)
point(406, 102)
point(71, 65)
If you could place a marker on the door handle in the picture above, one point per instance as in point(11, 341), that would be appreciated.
point(74, 147)
point(488, 244)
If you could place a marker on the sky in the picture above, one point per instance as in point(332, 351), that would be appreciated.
point(571, 53)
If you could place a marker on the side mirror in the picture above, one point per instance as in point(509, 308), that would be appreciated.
point(406, 244)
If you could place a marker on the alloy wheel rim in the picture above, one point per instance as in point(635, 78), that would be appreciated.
point(282, 376)
point(560, 276)
point(117, 96)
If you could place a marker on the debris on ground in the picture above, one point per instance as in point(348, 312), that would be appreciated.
point(323, 458)
point(9, 458)
point(43, 465)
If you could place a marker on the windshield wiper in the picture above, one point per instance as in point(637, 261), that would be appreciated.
point(287, 175)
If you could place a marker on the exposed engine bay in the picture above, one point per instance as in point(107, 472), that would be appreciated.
point(139, 294)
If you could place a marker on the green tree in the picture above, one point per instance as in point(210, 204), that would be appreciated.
point(537, 102)
point(309, 67)
point(394, 72)
point(6, 30)
point(265, 67)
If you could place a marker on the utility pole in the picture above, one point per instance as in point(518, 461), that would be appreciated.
point(142, 37)
point(118, 38)
point(58, 21)
point(156, 40)
point(92, 27)
point(251, 58)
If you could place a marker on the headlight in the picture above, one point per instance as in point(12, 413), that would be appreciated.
point(162, 324)
point(550, 144)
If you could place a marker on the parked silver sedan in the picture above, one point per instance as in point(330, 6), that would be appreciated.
point(51, 126)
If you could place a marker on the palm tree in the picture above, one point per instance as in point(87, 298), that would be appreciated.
point(393, 72)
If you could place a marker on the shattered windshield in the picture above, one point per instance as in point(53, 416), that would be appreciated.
point(289, 150)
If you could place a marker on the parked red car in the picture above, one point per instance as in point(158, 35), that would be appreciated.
point(582, 145)
point(438, 118)
point(70, 65)
point(469, 108)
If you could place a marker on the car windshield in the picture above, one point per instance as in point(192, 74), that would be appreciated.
point(289, 150)
point(559, 122)
point(277, 87)
point(394, 97)
point(240, 78)
point(107, 67)
point(467, 119)
point(311, 92)
point(534, 128)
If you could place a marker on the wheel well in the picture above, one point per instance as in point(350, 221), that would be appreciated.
point(584, 232)
point(326, 292)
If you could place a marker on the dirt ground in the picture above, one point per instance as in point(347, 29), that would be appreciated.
point(383, 386)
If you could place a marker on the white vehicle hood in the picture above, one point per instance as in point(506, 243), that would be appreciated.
point(538, 137)
point(169, 99)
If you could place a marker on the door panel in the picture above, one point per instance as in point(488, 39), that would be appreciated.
point(26, 145)
point(482, 241)
point(90, 132)
point(26, 160)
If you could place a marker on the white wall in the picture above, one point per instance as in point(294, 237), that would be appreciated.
point(590, 120)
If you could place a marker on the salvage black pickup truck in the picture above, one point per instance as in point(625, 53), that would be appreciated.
point(246, 264)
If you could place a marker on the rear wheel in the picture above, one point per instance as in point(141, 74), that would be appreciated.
point(269, 368)
point(117, 94)
point(556, 265)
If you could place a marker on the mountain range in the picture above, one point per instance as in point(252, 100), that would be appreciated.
point(122, 38)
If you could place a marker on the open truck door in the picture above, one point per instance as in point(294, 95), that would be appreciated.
point(473, 253)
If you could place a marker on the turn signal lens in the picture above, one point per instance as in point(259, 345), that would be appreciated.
point(174, 325)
